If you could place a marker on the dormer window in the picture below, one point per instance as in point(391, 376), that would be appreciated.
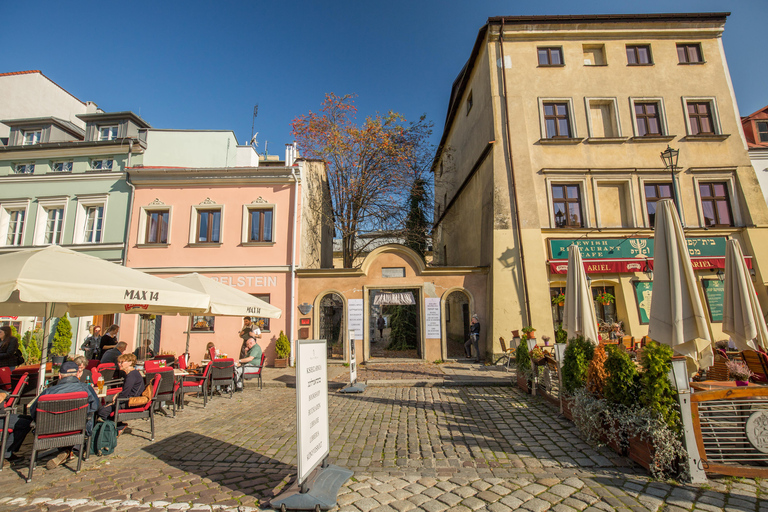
point(762, 131)
point(108, 132)
point(32, 137)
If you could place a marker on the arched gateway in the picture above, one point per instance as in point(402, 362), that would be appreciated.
point(396, 306)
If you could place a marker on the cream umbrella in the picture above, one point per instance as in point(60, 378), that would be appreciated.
point(677, 317)
point(579, 312)
point(225, 300)
point(742, 318)
point(52, 281)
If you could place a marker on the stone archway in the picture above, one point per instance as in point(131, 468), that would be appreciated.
point(457, 313)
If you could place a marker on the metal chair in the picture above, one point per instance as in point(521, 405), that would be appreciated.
point(196, 384)
point(60, 422)
point(123, 412)
point(223, 374)
point(506, 353)
point(168, 388)
point(14, 399)
point(255, 374)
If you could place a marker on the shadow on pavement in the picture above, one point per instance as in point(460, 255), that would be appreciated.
point(227, 465)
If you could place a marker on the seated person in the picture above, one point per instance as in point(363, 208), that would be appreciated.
point(132, 386)
point(111, 355)
point(248, 364)
point(69, 382)
point(145, 351)
point(21, 425)
point(85, 374)
point(208, 348)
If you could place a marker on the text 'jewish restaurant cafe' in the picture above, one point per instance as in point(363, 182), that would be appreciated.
point(621, 276)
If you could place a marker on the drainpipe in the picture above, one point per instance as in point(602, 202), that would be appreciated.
point(512, 173)
point(130, 215)
point(293, 258)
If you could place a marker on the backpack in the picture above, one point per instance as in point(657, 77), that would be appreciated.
point(104, 438)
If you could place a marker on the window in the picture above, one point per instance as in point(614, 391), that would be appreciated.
point(102, 165)
point(15, 227)
point(53, 225)
point(262, 323)
point(203, 323)
point(557, 310)
point(606, 313)
point(260, 225)
point(603, 122)
point(157, 227)
point(25, 168)
point(639, 55)
point(700, 118)
point(566, 206)
point(94, 222)
point(556, 120)
point(689, 53)
point(62, 167)
point(470, 102)
point(715, 204)
point(550, 56)
point(208, 226)
point(648, 119)
point(762, 131)
point(108, 132)
point(32, 137)
point(654, 192)
point(594, 55)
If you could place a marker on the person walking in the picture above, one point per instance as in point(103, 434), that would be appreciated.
point(380, 325)
point(91, 344)
point(474, 339)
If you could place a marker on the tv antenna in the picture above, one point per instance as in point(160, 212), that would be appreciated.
point(253, 121)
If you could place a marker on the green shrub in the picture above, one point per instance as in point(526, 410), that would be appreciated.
point(621, 386)
point(62, 339)
point(578, 354)
point(404, 324)
point(282, 346)
point(14, 332)
point(561, 335)
point(656, 393)
point(522, 357)
point(32, 344)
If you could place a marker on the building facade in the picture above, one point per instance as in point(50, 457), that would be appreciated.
point(755, 127)
point(553, 136)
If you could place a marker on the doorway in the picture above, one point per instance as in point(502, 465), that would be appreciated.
point(331, 320)
point(148, 336)
point(394, 317)
point(456, 324)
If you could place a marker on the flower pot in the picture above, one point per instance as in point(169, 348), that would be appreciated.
point(59, 360)
point(742, 383)
point(561, 304)
point(516, 333)
point(281, 363)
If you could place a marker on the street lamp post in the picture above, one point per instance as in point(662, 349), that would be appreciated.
point(669, 157)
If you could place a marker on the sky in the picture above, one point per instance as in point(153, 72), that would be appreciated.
point(206, 64)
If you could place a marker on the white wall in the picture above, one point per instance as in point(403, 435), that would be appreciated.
point(190, 148)
point(759, 159)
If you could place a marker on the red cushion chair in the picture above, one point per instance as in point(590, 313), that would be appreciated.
point(5, 378)
point(123, 412)
point(151, 365)
point(223, 374)
point(197, 384)
point(212, 353)
point(59, 423)
point(248, 373)
point(183, 361)
point(168, 389)
point(92, 363)
point(14, 399)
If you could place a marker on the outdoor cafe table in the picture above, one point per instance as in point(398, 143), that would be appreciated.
point(714, 385)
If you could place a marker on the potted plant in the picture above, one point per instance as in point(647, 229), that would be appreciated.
point(62, 340)
point(282, 351)
point(530, 332)
point(546, 339)
point(537, 355)
point(605, 298)
point(739, 371)
point(559, 299)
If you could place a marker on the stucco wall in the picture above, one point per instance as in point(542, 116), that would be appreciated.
point(188, 148)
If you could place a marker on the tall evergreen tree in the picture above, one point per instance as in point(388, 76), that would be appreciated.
point(62, 339)
point(416, 224)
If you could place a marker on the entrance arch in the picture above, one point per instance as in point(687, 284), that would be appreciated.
point(457, 310)
point(330, 313)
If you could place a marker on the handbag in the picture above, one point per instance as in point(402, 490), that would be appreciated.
point(146, 396)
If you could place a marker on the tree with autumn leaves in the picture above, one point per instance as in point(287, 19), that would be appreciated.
point(372, 169)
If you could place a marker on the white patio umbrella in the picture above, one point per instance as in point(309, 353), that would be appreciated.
point(579, 313)
point(52, 281)
point(677, 317)
point(742, 318)
point(225, 300)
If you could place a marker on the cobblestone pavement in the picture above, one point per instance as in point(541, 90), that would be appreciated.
point(411, 448)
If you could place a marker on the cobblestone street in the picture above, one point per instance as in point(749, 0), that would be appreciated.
point(411, 448)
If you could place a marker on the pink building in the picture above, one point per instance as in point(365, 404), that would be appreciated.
point(203, 204)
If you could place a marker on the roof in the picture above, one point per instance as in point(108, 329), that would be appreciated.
point(114, 116)
point(32, 72)
point(37, 121)
point(749, 133)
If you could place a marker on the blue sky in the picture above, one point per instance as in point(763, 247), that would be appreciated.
point(204, 65)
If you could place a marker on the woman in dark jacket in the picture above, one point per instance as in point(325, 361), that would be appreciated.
point(8, 347)
point(132, 386)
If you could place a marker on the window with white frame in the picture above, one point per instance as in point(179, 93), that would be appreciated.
point(24, 168)
point(108, 132)
point(648, 117)
point(90, 219)
point(31, 137)
point(54, 225)
point(62, 166)
point(603, 118)
point(15, 234)
point(94, 224)
point(260, 224)
point(701, 116)
point(104, 164)
point(49, 221)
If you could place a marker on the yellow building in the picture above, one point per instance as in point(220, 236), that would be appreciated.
point(554, 133)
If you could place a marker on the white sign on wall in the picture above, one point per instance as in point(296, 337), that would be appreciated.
point(311, 405)
point(432, 317)
point(247, 281)
point(355, 322)
point(352, 359)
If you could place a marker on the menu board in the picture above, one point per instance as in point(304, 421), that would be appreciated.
point(313, 441)
point(355, 323)
point(432, 309)
point(643, 292)
point(714, 291)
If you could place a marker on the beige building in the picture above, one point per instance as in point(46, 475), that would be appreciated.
point(553, 135)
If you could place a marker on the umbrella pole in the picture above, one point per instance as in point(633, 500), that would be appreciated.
point(189, 330)
point(46, 340)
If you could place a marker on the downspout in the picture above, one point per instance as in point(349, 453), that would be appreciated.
point(130, 214)
point(512, 173)
point(293, 259)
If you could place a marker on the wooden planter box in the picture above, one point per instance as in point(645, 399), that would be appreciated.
point(615, 446)
point(641, 451)
point(522, 383)
point(567, 409)
point(281, 363)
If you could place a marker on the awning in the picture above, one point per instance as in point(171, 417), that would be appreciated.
point(629, 265)
point(394, 299)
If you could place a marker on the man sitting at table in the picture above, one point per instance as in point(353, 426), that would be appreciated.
point(248, 364)
point(69, 382)
point(111, 355)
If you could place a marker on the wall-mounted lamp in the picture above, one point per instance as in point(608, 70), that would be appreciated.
point(720, 275)
point(648, 270)
point(305, 308)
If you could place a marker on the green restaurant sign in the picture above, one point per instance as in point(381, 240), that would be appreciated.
point(625, 248)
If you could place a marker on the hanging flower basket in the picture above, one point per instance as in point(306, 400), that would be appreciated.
point(605, 298)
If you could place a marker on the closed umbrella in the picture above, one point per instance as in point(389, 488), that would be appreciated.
point(225, 300)
point(51, 281)
point(579, 313)
point(677, 317)
point(742, 317)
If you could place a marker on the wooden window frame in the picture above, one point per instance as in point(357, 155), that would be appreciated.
point(158, 231)
point(549, 50)
point(715, 200)
point(566, 201)
point(634, 48)
point(686, 54)
point(644, 117)
point(262, 223)
point(759, 137)
point(697, 117)
point(211, 213)
point(557, 118)
point(656, 198)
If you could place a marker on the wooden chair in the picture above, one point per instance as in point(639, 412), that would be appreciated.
point(644, 340)
point(124, 412)
point(757, 363)
point(250, 372)
point(506, 352)
point(628, 342)
point(719, 370)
